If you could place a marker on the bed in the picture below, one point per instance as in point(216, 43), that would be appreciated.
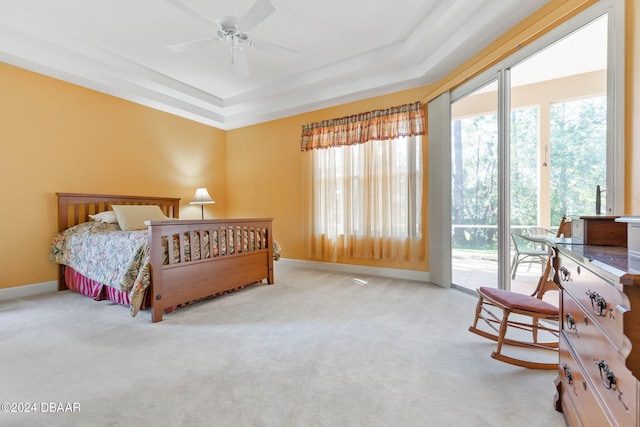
point(181, 261)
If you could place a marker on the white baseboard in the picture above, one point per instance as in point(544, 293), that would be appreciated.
point(28, 290)
point(394, 273)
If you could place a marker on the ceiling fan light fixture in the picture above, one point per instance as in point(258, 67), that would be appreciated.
point(227, 23)
point(233, 30)
point(239, 61)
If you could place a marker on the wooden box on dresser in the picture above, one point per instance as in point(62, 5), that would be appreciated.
point(599, 362)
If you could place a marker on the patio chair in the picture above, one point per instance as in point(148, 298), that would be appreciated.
point(540, 232)
point(528, 250)
point(495, 306)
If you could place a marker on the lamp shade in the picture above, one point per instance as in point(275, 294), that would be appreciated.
point(201, 197)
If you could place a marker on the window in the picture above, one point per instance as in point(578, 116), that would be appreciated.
point(365, 199)
point(578, 150)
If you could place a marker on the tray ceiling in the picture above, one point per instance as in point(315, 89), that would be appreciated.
point(348, 50)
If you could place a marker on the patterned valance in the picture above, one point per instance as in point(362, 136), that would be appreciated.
point(377, 125)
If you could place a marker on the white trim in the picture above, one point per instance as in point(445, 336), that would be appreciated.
point(394, 273)
point(28, 290)
point(439, 138)
point(616, 108)
point(504, 178)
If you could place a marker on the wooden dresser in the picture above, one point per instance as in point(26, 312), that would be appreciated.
point(600, 335)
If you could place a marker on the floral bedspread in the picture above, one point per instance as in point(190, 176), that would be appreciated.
point(106, 254)
point(120, 259)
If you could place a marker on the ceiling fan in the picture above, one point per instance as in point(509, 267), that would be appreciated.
point(233, 31)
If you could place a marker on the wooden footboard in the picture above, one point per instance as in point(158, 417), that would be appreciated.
point(206, 257)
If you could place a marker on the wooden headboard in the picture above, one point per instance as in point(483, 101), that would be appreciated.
point(75, 208)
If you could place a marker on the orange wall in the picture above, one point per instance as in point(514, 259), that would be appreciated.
point(57, 136)
point(118, 147)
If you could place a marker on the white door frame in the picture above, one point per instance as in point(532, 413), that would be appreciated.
point(439, 138)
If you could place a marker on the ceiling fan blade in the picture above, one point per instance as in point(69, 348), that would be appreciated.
point(274, 49)
point(193, 44)
point(239, 61)
point(258, 13)
point(193, 12)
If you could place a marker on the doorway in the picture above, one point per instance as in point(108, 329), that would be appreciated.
point(529, 144)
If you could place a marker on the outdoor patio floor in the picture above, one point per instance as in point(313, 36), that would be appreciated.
point(471, 270)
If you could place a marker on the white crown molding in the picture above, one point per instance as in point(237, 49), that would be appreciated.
point(453, 31)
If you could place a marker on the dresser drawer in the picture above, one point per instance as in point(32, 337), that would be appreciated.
point(602, 300)
point(579, 404)
point(610, 377)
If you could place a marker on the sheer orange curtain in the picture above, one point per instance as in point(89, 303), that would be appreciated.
point(364, 185)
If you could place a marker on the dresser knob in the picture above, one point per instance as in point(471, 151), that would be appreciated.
point(571, 322)
point(606, 374)
point(598, 303)
point(565, 274)
point(567, 373)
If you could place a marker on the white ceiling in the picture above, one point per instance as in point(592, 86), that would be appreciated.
point(349, 50)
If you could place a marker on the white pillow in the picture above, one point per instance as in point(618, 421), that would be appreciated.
point(132, 217)
point(108, 217)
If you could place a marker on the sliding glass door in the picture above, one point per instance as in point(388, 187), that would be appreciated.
point(530, 141)
point(474, 188)
point(564, 89)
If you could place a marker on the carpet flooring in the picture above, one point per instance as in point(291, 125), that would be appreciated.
point(315, 349)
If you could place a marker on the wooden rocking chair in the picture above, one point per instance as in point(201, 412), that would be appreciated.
point(491, 301)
